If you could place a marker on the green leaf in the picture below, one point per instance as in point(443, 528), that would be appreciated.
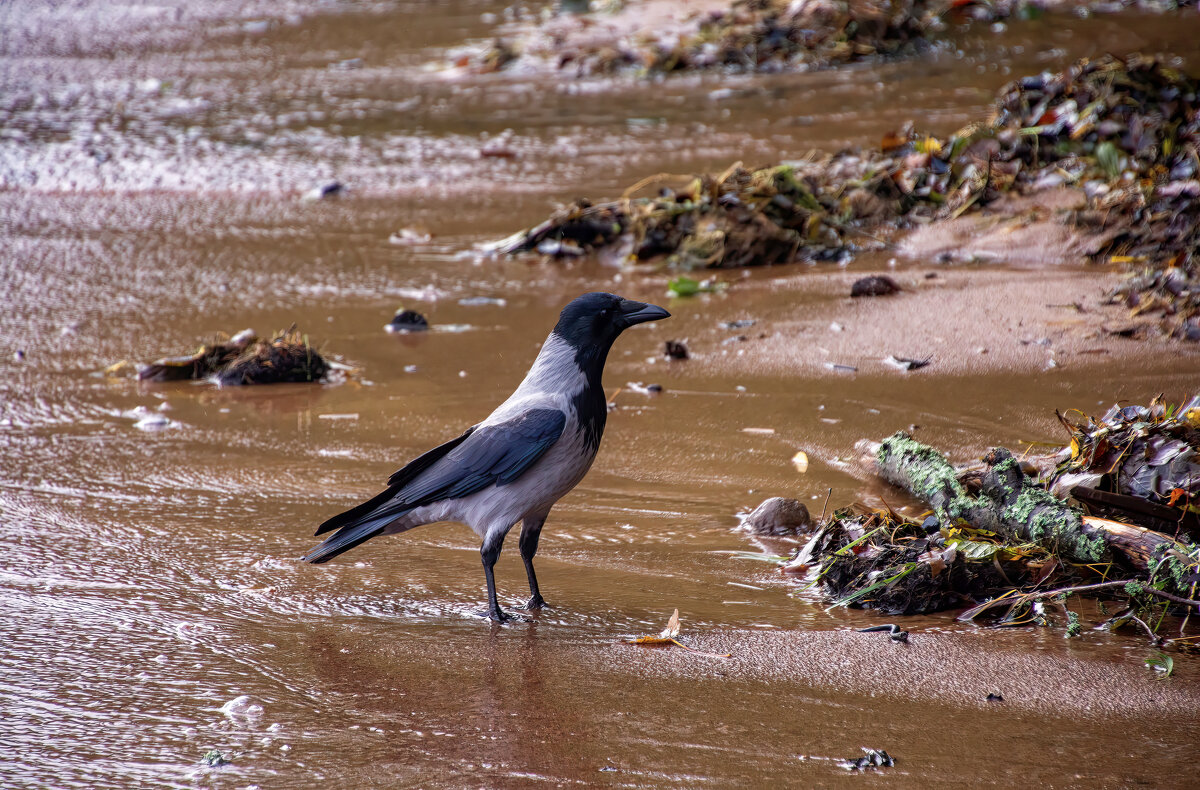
point(684, 286)
point(1109, 159)
point(1161, 663)
point(974, 549)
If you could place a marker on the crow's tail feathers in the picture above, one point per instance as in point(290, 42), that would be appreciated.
point(345, 539)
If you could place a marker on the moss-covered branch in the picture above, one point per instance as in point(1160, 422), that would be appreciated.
point(1015, 507)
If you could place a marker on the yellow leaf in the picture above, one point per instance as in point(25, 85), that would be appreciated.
point(652, 641)
point(800, 461)
point(667, 639)
point(930, 145)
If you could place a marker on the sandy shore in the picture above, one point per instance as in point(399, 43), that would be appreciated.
point(963, 319)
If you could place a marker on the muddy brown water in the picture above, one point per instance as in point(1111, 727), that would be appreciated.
point(152, 158)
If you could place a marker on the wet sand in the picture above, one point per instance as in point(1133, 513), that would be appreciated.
point(962, 320)
point(149, 581)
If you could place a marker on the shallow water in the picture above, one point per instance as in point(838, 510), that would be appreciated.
point(152, 163)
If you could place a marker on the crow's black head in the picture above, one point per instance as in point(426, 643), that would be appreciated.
point(593, 321)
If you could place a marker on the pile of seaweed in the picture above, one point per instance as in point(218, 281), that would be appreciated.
point(1122, 133)
point(778, 35)
point(741, 217)
point(774, 35)
point(999, 542)
point(244, 358)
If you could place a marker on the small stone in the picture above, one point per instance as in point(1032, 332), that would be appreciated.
point(406, 321)
point(778, 516)
point(332, 189)
point(875, 285)
point(676, 349)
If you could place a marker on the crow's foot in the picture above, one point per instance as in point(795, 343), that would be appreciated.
point(536, 602)
point(496, 615)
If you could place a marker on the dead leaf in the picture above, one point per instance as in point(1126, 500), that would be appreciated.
point(667, 639)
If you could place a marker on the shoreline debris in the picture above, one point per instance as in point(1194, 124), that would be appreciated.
point(874, 285)
point(768, 36)
point(1107, 152)
point(1012, 540)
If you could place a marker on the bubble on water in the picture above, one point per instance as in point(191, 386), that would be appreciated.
point(242, 708)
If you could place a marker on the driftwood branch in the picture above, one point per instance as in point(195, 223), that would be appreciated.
point(1012, 505)
point(1034, 596)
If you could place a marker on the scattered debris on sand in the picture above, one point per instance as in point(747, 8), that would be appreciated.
point(245, 359)
point(1013, 539)
point(1105, 153)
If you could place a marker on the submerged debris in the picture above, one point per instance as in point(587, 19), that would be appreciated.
point(872, 759)
point(202, 364)
point(215, 759)
point(245, 359)
point(676, 349)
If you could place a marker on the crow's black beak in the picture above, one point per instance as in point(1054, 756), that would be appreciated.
point(632, 312)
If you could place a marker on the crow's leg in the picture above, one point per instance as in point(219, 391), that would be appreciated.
point(490, 551)
point(531, 530)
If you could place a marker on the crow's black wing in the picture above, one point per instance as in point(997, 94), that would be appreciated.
point(492, 455)
point(488, 455)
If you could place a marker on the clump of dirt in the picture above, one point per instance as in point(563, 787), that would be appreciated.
point(1108, 149)
point(245, 359)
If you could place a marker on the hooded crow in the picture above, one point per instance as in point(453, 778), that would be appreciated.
point(513, 466)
